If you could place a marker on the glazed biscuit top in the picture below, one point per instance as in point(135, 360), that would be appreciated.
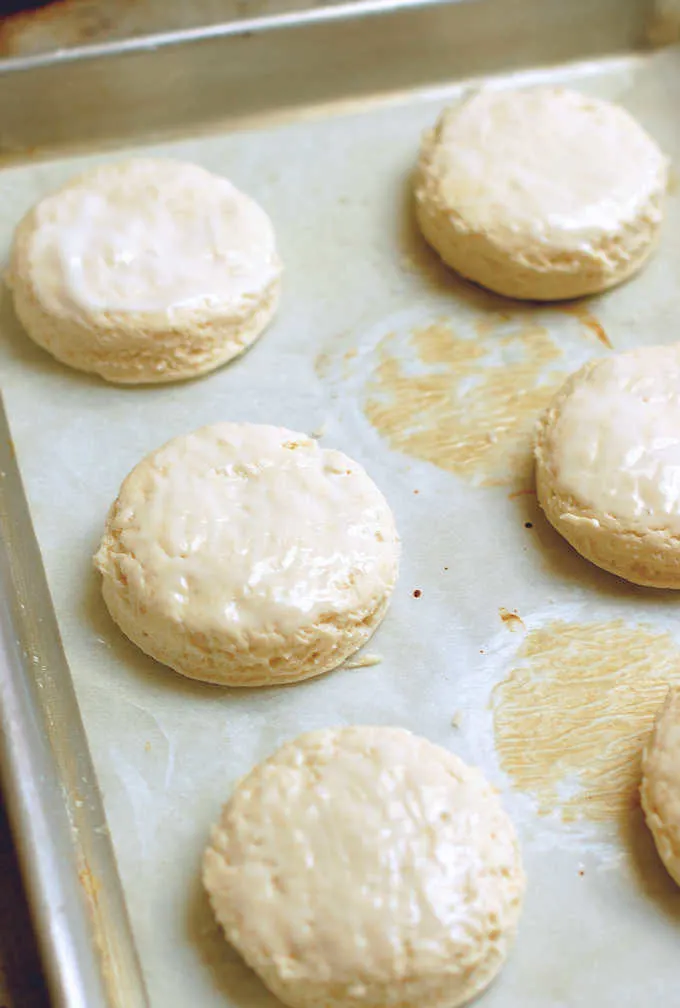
point(613, 444)
point(148, 235)
point(245, 529)
point(554, 166)
point(365, 854)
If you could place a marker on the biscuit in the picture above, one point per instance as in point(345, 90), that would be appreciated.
point(248, 555)
point(145, 270)
point(366, 867)
point(540, 193)
point(607, 463)
point(660, 790)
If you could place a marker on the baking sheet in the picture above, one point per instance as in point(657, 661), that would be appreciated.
point(367, 322)
point(69, 23)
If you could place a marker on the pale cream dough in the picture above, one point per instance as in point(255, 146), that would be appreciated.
point(248, 555)
point(145, 270)
point(608, 464)
point(365, 867)
point(540, 193)
point(660, 791)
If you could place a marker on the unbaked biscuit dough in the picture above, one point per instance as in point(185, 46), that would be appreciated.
point(248, 555)
point(541, 193)
point(145, 270)
point(366, 867)
point(608, 464)
point(660, 791)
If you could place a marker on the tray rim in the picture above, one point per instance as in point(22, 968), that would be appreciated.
point(227, 29)
point(347, 50)
point(54, 805)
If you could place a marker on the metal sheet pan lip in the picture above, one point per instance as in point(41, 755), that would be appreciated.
point(356, 10)
point(42, 871)
point(147, 88)
point(51, 790)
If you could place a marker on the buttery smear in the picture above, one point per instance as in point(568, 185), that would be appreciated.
point(467, 402)
point(587, 319)
point(571, 719)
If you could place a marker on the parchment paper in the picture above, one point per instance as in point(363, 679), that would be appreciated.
point(601, 919)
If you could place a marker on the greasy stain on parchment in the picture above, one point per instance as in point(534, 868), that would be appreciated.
point(322, 364)
point(467, 402)
point(572, 717)
point(589, 321)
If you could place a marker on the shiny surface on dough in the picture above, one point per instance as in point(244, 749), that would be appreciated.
point(367, 866)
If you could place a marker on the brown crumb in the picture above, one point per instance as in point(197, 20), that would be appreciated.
point(416, 491)
point(512, 620)
point(597, 328)
point(417, 593)
point(589, 322)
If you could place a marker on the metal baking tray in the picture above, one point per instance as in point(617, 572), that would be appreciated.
point(114, 767)
point(28, 27)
